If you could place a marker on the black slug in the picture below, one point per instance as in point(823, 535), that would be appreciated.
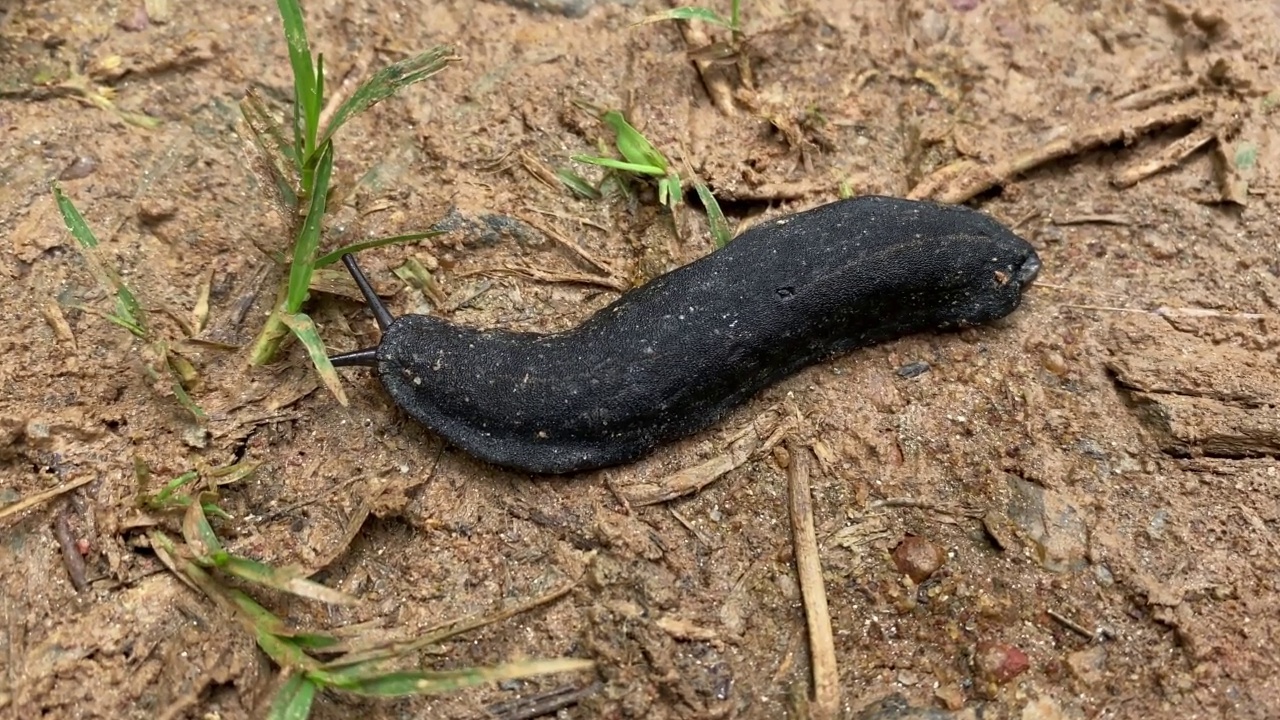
point(672, 357)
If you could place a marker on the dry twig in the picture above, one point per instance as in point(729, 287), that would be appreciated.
point(826, 677)
point(963, 180)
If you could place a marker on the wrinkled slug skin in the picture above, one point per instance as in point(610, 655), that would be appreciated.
point(672, 357)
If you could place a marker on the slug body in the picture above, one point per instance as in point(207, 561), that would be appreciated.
point(672, 357)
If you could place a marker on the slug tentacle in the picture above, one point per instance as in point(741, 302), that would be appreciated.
point(672, 357)
point(380, 312)
point(368, 357)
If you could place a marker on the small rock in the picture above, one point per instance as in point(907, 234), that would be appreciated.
point(196, 436)
point(933, 25)
point(917, 558)
point(950, 695)
point(1054, 522)
point(80, 168)
point(1088, 664)
point(913, 369)
point(896, 707)
point(1043, 708)
point(135, 21)
point(999, 662)
point(1053, 361)
point(155, 211)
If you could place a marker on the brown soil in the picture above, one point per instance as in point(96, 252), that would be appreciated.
point(1104, 458)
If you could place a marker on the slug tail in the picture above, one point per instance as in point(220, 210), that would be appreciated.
point(380, 312)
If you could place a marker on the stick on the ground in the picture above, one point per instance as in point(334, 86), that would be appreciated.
point(965, 179)
point(1172, 154)
point(826, 678)
point(33, 500)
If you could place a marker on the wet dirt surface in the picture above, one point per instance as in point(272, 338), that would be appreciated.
point(1096, 474)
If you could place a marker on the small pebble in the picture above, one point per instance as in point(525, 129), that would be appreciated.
point(913, 369)
point(81, 167)
point(135, 21)
point(917, 558)
point(1054, 363)
point(1089, 664)
point(999, 662)
point(781, 456)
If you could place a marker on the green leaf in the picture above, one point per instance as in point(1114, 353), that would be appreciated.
point(635, 148)
point(268, 137)
point(305, 82)
point(163, 498)
point(670, 193)
point(74, 220)
point(128, 313)
point(387, 82)
point(304, 249)
point(362, 680)
point(305, 330)
point(201, 538)
point(689, 13)
point(623, 166)
point(336, 255)
point(293, 701)
point(577, 184)
point(1246, 156)
point(715, 216)
point(234, 472)
point(290, 580)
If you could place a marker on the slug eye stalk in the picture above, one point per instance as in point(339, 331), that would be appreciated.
point(368, 357)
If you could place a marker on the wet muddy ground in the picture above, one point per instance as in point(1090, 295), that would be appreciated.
point(1095, 474)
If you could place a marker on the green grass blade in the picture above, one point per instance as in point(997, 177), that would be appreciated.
point(670, 191)
point(305, 84)
point(429, 682)
point(577, 184)
point(333, 257)
point(282, 650)
point(278, 155)
point(293, 701)
point(162, 498)
point(305, 330)
point(691, 13)
point(288, 580)
point(233, 473)
point(387, 82)
point(313, 117)
point(715, 216)
point(132, 327)
point(128, 313)
point(200, 537)
point(620, 165)
point(635, 148)
point(74, 220)
point(304, 249)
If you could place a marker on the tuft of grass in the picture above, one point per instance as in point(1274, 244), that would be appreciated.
point(299, 163)
point(128, 312)
point(642, 161)
point(310, 659)
point(313, 660)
